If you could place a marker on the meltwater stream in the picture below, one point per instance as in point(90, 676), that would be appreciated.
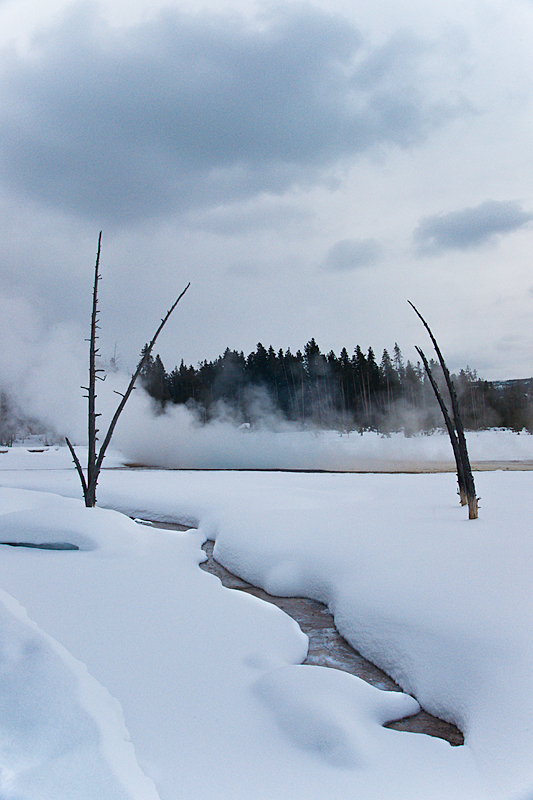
point(327, 648)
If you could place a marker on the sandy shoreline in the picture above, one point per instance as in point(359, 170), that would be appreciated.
point(372, 466)
point(439, 466)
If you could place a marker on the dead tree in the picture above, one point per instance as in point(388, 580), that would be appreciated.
point(465, 478)
point(449, 426)
point(94, 458)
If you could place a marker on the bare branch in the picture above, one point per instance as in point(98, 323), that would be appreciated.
point(78, 466)
point(90, 496)
point(131, 385)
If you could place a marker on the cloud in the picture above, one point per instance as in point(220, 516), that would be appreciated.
point(192, 110)
point(351, 254)
point(242, 218)
point(468, 228)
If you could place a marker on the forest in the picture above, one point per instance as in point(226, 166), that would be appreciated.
point(344, 392)
point(312, 389)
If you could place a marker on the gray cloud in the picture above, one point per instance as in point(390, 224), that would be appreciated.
point(470, 227)
point(188, 110)
point(351, 254)
point(241, 219)
point(383, 65)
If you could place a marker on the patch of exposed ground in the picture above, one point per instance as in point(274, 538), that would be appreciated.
point(327, 648)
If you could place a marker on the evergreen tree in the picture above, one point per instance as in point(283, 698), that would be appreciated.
point(359, 378)
point(412, 385)
point(153, 376)
point(391, 388)
point(340, 392)
point(398, 362)
point(257, 365)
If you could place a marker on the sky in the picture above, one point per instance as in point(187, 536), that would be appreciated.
point(308, 167)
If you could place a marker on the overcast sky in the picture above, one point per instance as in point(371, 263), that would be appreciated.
point(309, 167)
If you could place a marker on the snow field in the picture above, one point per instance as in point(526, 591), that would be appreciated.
point(197, 691)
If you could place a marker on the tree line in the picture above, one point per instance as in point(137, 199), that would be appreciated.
point(344, 392)
point(347, 392)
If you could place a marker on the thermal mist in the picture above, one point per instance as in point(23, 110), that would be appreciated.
point(43, 370)
point(176, 439)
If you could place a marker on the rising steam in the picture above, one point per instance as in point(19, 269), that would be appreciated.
point(42, 370)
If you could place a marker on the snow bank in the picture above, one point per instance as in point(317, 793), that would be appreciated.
point(43, 457)
point(62, 735)
point(209, 681)
point(443, 604)
point(177, 442)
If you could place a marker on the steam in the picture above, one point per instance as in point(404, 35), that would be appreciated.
point(178, 439)
point(42, 370)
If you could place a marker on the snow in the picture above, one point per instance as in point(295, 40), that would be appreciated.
point(128, 672)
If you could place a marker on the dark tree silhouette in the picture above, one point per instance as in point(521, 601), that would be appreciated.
point(94, 459)
point(449, 426)
point(464, 470)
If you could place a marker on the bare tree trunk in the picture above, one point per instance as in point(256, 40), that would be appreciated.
point(449, 426)
point(469, 478)
point(89, 483)
point(94, 458)
point(470, 488)
point(90, 497)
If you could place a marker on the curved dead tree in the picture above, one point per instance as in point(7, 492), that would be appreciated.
point(465, 478)
point(95, 458)
point(449, 425)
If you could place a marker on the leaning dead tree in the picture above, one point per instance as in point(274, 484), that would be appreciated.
point(95, 458)
point(449, 425)
point(465, 478)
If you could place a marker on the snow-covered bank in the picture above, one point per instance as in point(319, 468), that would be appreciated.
point(208, 680)
point(445, 605)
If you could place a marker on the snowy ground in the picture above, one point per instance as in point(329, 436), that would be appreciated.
point(128, 673)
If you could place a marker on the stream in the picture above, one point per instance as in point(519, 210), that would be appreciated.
point(327, 648)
